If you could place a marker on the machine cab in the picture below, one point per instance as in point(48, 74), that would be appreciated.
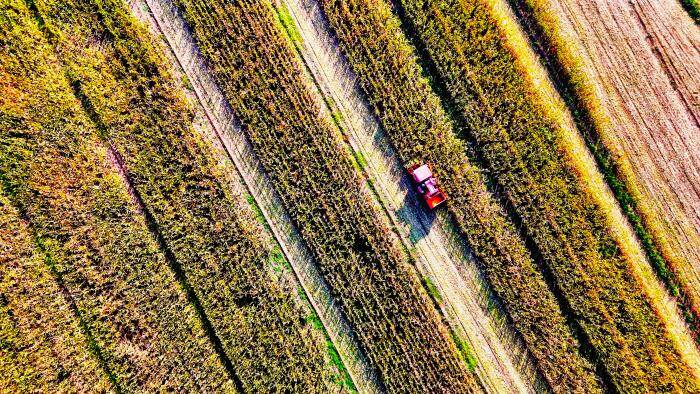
point(427, 185)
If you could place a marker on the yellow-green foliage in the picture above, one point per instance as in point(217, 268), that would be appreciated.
point(420, 131)
point(392, 316)
point(42, 347)
point(135, 319)
point(121, 78)
point(518, 145)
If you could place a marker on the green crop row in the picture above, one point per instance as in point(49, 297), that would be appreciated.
point(133, 316)
point(356, 252)
point(480, 82)
point(123, 81)
point(421, 132)
point(42, 347)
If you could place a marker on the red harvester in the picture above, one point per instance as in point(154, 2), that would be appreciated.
point(427, 186)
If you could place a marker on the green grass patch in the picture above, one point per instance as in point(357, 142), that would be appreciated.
point(465, 351)
point(432, 289)
point(285, 18)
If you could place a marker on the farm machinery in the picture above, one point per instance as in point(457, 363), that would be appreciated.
point(427, 185)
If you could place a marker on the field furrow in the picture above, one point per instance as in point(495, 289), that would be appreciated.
point(211, 237)
point(136, 318)
point(480, 80)
point(356, 252)
point(43, 346)
point(224, 132)
point(494, 350)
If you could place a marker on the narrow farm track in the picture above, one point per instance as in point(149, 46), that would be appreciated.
point(163, 17)
point(502, 363)
point(642, 61)
point(589, 175)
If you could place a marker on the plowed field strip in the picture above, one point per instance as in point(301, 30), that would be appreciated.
point(675, 40)
point(585, 163)
point(631, 69)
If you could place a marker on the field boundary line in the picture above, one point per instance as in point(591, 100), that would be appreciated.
point(180, 41)
point(431, 239)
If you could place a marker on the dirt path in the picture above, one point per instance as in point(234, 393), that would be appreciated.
point(644, 60)
point(502, 362)
point(162, 17)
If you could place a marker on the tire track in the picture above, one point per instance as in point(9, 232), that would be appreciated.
point(503, 364)
point(165, 18)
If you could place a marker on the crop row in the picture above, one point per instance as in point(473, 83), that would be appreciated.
point(514, 140)
point(355, 251)
point(122, 79)
point(131, 313)
point(421, 131)
point(575, 81)
point(43, 347)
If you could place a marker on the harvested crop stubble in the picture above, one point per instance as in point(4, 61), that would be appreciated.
point(107, 266)
point(482, 85)
point(43, 347)
point(421, 131)
point(121, 77)
point(356, 253)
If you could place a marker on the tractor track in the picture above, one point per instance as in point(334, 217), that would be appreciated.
point(228, 139)
point(503, 364)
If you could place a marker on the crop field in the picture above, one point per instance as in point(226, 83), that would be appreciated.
point(353, 246)
point(647, 138)
point(215, 196)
